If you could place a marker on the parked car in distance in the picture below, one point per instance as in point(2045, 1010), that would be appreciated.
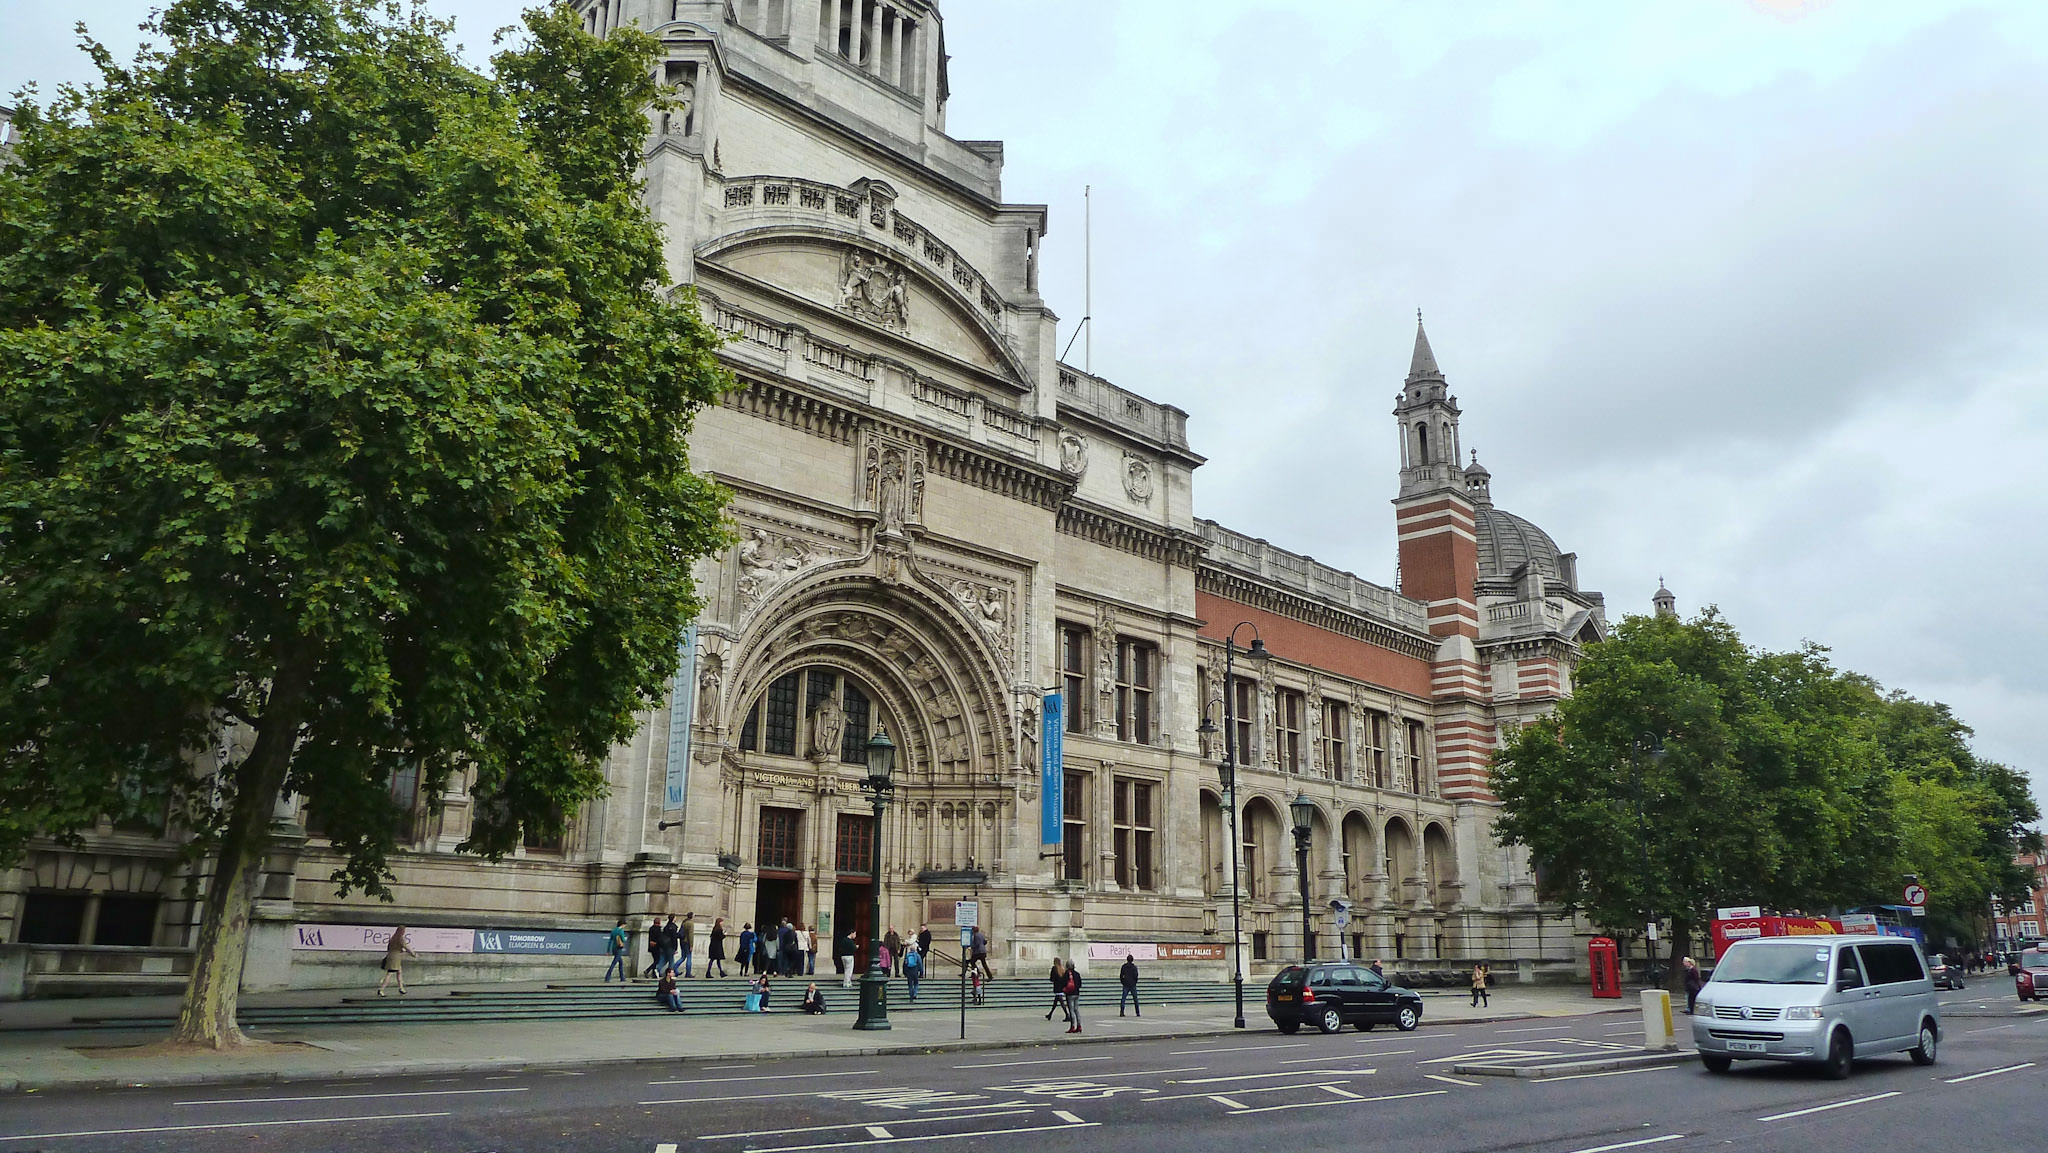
point(1333, 995)
point(1946, 974)
point(1826, 1000)
point(2030, 973)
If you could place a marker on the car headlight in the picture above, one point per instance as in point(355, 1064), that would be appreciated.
point(1703, 1006)
point(1803, 1013)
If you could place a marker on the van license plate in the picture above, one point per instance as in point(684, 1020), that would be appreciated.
point(1747, 1047)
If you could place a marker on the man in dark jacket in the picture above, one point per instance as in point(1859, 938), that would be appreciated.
point(924, 939)
point(785, 942)
point(1128, 978)
point(843, 949)
point(893, 941)
point(671, 944)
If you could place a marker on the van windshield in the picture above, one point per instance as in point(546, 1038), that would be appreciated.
point(1773, 965)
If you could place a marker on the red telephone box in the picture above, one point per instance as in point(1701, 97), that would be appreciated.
point(1605, 960)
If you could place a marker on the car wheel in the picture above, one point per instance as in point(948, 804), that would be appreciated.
point(1289, 1027)
point(1841, 1056)
point(1331, 1021)
point(1364, 1026)
point(1923, 1053)
point(1716, 1064)
point(1408, 1018)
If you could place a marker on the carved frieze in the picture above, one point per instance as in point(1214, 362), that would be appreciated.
point(874, 288)
point(767, 560)
point(988, 606)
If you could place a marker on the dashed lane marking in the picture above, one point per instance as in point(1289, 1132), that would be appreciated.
point(1374, 1053)
point(1050, 1061)
point(848, 1125)
point(1452, 1080)
point(219, 1125)
point(1322, 1104)
point(939, 1137)
point(1632, 1144)
point(765, 1077)
point(1238, 1049)
point(1825, 1108)
point(1248, 1091)
point(665, 1147)
point(1277, 1073)
point(1225, 1101)
point(346, 1096)
point(1611, 1073)
point(878, 1131)
point(1991, 1072)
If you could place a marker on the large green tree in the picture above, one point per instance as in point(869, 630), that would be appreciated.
point(1689, 771)
point(342, 422)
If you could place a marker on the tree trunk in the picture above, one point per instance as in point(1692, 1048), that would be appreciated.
point(1681, 946)
point(207, 1016)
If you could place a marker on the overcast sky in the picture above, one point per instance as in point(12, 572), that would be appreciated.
point(1748, 293)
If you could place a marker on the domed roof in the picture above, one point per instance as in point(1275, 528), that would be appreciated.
point(1507, 542)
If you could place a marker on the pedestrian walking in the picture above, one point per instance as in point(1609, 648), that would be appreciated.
point(888, 965)
point(1480, 976)
point(1073, 990)
point(1059, 992)
point(744, 957)
point(786, 962)
point(1693, 982)
point(617, 945)
point(671, 942)
point(686, 943)
point(1375, 967)
point(717, 954)
point(654, 951)
point(913, 969)
point(843, 949)
point(1128, 978)
point(893, 941)
point(924, 940)
point(806, 960)
point(394, 960)
point(977, 951)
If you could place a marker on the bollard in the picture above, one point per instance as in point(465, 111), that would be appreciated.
point(1657, 1031)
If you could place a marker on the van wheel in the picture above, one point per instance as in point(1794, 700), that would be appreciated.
point(1407, 1019)
point(1331, 1021)
point(1841, 1057)
point(1716, 1064)
point(1923, 1053)
point(1289, 1027)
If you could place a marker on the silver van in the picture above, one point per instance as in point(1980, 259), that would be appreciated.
point(1820, 999)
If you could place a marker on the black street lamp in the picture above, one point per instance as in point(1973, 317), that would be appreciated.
point(1228, 775)
point(1304, 813)
point(874, 985)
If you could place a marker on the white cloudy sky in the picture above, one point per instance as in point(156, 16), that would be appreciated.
point(1749, 293)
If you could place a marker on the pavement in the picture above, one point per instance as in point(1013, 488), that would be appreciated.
point(36, 1055)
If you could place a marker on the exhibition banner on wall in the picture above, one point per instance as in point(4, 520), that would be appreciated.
point(377, 938)
point(1052, 771)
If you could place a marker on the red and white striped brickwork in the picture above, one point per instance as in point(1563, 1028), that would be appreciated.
point(1440, 559)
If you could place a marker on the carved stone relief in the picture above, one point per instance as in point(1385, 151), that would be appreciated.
point(1073, 455)
point(874, 288)
point(892, 481)
point(766, 561)
point(1137, 477)
point(1105, 670)
point(1312, 703)
point(988, 606)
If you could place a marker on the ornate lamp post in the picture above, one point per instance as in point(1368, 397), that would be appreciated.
point(874, 985)
point(1304, 812)
point(1228, 775)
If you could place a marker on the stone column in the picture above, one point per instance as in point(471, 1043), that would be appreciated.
point(872, 60)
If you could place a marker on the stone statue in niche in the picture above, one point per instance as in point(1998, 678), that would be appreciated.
point(1073, 455)
point(1137, 477)
point(708, 684)
point(828, 729)
point(889, 491)
point(872, 288)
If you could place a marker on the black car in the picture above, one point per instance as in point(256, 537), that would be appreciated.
point(1331, 996)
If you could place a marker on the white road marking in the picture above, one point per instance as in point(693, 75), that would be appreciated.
point(1991, 1072)
point(1339, 1091)
point(1537, 1029)
point(1825, 1108)
point(1321, 1104)
point(1238, 1049)
point(716, 1068)
point(878, 1131)
point(1249, 1090)
point(348, 1096)
point(1051, 1061)
point(1612, 1073)
point(1374, 1053)
point(219, 1125)
point(938, 1137)
point(1221, 1100)
point(714, 1100)
point(1069, 1118)
point(665, 1147)
point(766, 1077)
point(1452, 1080)
point(1632, 1144)
point(1277, 1073)
point(1993, 1028)
point(1153, 1072)
point(846, 1125)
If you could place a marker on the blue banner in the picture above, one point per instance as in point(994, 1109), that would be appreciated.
point(1052, 771)
point(682, 705)
point(573, 943)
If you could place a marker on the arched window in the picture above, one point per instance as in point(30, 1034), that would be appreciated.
point(784, 720)
point(1421, 443)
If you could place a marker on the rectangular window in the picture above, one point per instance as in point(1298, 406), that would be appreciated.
point(1336, 734)
point(1074, 676)
point(1132, 822)
point(1260, 944)
point(405, 795)
point(1250, 877)
point(778, 845)
point(1244, 712)
point(1287, 729)
point(51, 919)
point(1074, 827)
point(855, 852)
point(1413, 783)
point(779, 723)
point(1137, 666)
point(125, 919)
point(546, 836)
point(1372, 756)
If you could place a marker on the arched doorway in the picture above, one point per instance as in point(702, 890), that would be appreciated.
point(1400, 861)
point(1440, 867)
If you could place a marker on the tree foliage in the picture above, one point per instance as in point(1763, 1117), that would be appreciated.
point(1688, 771)
point(342, 430)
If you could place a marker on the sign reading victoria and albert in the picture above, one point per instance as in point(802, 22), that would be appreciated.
point(1052, 770)
point(376, 938)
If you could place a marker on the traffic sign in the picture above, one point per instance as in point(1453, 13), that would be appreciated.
point(1916, 896)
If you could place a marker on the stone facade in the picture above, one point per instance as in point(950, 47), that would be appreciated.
point(938, 522)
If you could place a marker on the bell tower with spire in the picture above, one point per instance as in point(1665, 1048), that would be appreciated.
point(1439, 549)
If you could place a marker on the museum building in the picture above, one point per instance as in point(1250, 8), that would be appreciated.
point(938, 524)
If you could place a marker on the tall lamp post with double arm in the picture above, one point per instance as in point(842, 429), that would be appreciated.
point(1228, 774)
point(874, 986)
